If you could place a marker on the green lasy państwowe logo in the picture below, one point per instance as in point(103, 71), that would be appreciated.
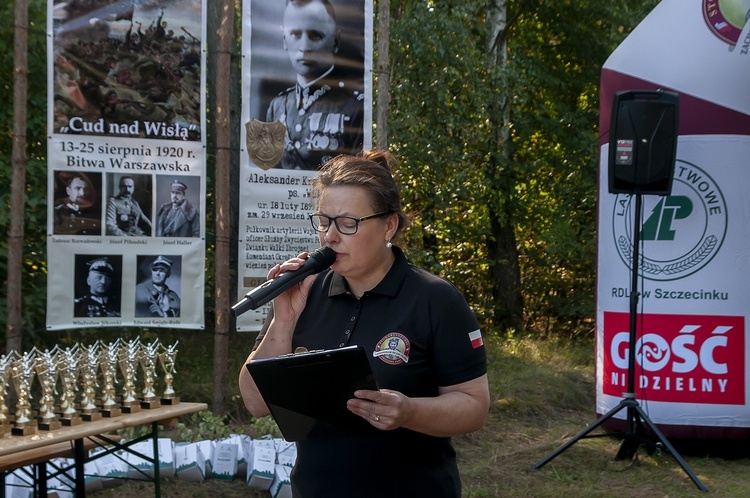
point(680, 233)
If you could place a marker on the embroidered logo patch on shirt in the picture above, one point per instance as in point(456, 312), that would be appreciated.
point(393, 349)
point(476, 339)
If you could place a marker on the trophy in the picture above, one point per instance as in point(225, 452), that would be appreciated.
point(68, 371)
point(128, 360)
point(108, 364)
point(22, 373)
point(89, 366)
point(46, 371)
point(167, 359)
point(5, 363)
point(149, 355)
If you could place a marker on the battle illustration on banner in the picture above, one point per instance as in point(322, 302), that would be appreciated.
point(128, 68)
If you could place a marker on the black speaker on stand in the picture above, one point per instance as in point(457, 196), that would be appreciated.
point(642, 150)
point(642, 142)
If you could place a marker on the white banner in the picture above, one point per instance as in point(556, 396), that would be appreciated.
point(126, 166)
point(692, 348)
point(307, 96)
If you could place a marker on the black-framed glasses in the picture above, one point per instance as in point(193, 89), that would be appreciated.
point(346, 225)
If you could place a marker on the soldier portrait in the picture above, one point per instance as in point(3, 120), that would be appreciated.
point(308, 75)
point(157, 293)
point(98, 286)
point(129, 209)
point(178, 214)
point(77, 205)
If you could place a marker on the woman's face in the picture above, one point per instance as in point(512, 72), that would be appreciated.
point(364, 253)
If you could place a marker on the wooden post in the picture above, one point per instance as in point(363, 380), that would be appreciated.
point(13, 326)
point(221, 28)
point(383, 73)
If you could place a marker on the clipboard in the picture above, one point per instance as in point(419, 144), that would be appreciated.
point(306, 393)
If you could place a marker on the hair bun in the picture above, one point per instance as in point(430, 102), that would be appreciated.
point(381, 157)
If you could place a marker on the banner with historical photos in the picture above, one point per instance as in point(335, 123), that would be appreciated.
point(692, 348)
point(307, 97)
point(126, 163)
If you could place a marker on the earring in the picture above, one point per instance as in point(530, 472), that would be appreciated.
point(388, 244)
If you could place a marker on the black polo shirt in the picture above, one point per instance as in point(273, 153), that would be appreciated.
point(418, 331)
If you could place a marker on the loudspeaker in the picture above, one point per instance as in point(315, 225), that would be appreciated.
point(642, 142)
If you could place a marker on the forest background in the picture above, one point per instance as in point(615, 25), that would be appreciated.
point(493, 115)
point(492, 111)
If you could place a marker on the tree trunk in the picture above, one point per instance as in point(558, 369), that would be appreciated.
point(506, 275)
point(383, 73)
point(13, 326)
point(502, 248)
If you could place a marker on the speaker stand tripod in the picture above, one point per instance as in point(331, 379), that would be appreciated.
point(635, 432)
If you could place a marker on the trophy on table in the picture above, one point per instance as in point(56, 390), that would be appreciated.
point(5, 363)
point(89, 366)
point(148, 358)
point(167, 359)
point(22, 373)
point(128, 360)
point(108, 364)
point(68, 370)
point(46, 371)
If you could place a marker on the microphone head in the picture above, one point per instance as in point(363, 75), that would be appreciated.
point(322, 258)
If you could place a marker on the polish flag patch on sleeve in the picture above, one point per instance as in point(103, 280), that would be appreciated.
point(476, 339)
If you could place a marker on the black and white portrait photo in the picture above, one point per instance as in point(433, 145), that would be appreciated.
point(157, 293)
point(307, 93)
point(97, 286)
point(77, 205)
point(128, 211)
point(178, 201)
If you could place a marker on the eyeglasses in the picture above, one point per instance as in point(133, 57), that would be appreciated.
point(346, 225)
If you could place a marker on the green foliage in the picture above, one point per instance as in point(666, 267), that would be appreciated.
point(264, 426)
point(463, 182)
point(556, 54)
point(35, 217)
point(204, 426)
point(136, 431)
point(441, 87)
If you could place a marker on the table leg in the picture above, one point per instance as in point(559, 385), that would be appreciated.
point(157, 471)
point(40, 488)
point(79, 456)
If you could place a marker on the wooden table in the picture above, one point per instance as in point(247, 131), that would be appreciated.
point(37, 449)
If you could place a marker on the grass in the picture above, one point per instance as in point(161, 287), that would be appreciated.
point(543, 394)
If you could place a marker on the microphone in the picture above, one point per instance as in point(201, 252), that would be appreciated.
point(319, 260)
